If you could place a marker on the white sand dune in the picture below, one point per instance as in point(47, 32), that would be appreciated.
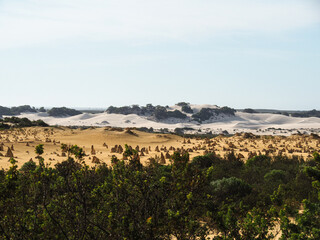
point(257, 123)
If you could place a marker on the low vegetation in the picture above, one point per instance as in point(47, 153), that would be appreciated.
point(207, 113)
point(16, 110)
point(186, 109)
point(9, 122)
point(62, 112)
point(162, 113)
point(185, 199)
point(249, 110)
point(158, 112)
point(306, 114)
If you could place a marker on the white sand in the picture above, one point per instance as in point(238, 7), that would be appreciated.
point(258, 123)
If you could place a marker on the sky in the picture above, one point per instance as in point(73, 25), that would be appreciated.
point(98, 53)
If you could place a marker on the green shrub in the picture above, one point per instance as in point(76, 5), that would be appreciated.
point(232, 187)
point(259, 161)
point(28, 166)
point(204, 162)
point(275, 176)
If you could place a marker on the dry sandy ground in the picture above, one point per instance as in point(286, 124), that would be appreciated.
point(105, 138)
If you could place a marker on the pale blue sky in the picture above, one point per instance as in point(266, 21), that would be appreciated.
point(97, 53)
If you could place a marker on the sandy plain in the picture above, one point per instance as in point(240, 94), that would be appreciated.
point(103, 142)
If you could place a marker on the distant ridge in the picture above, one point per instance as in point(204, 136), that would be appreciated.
point(184, 117)
point(16, 110)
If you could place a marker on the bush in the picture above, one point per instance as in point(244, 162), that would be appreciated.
point(28, 166)
point(40, 123)
point(232, 187)
point(176, 114)
point(24, 122)
point(16, 110)
point(206, 113)
point(249, 110)
point(42, 109)
point(63, 111)
point(182, 104)
point(186, 109)
point(162, 113)
point(21, 109)
point(305, 114)
point(275, 176)
point(259, 161)
point(4, 126)
point(5, 111)
point(204, 162)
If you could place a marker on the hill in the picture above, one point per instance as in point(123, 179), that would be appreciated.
point(16, 110)
point(185, 118)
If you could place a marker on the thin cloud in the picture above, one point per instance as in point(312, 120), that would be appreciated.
point(33, 22)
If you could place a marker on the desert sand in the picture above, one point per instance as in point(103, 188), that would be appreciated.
point(100, 143)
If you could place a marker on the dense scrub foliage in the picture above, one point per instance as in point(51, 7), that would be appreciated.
point(16, 110)
point(206, 113)
point(312, 113)
point(158, 112)
point(185, 199)
point(63, 111)
point(9, 122)
point(161, 112)
point(186, 109)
